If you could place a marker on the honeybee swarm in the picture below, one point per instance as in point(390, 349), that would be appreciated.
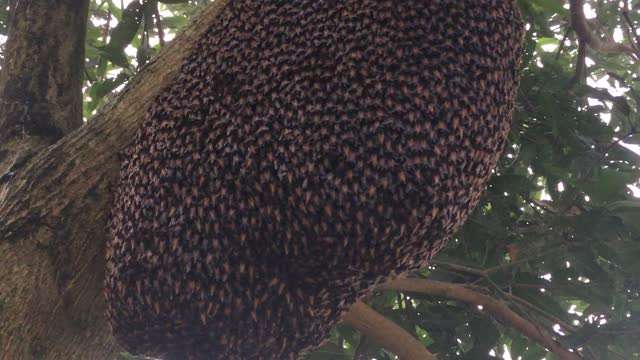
point(309, 150)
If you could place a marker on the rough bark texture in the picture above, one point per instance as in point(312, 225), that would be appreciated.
point(52, 224)
point(41, 78)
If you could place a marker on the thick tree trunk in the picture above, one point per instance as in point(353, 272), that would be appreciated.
point(41, 78)
point(52, 222)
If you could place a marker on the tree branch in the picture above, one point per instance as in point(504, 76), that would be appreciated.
point(581, 61)
point(42, 71)
point(156, 14)
point(499, 310)
point(386, 333)
point(581, 27)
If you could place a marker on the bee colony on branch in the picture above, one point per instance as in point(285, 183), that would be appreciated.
point(308, 151)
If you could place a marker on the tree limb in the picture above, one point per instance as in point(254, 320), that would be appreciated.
point(499, 310)
point(629, 27)
point(581, 27)
point(386, 333)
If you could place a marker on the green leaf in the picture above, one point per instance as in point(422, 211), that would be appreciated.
point(620, 114)
point(518, 346)
point(329, 351)
point(100, 89)
point(115, 10)
point(115, 55)
point(581, 337)
point(127, 28)
point(628, 211)
point(607, 185)
point(144, 54)
point(486, 336)
point(123, 34)
point(552, 6)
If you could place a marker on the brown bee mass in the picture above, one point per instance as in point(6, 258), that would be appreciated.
point(308, 150)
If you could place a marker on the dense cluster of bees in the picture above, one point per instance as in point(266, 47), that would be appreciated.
point(309, 150)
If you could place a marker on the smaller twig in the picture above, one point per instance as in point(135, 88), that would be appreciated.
point(107, 27)
point(586, 36)
point(446, 271)
point(486, 272)
point(86, 73)
point(544, 313)
point(549, 250)
point(159, 26)
point(564, 38)
point(578, 75)
point(545, 206)
point(631, 91)
point(617, 353)
point(485, 256)
point(484, 275)
point(628, 34)
point(611, 329)
point(458, 267)
point(631, 133)
point(625, 15)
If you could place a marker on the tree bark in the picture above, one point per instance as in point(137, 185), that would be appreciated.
point(41, 78)
point(53, 216)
